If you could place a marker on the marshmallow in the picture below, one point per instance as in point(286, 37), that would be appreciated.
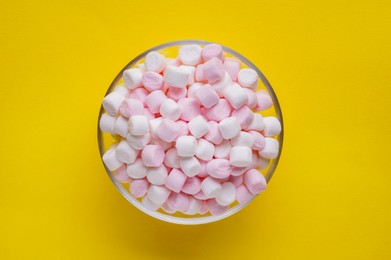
point(112, 102)
point(203, 173)
point(243, 139)
point(171, 61)
point(264, 101)
point(270, 151)
point(199, 73)
point(198, 127)
point(219, 86)
point(152, 155)
point(132, 78)
point(248, 78)
point(152, 81)
point(153, 125)
point(229, 127)
point(212, 50)
point(157, 175)
point(190, 166)
point(110, 159)
point(232, 66)
point(256, 123)
point(192, 89)
point(194, 206)
point(255, 182)
point(252, 98)
point(175, 180)
point(148, 114)
point(121, 126)
point(122, 90)
point(219, 168)
point(154, 61)
point(207, 96)
point(184, 130)
point(243, 195)
point(191, 70)
point(138, 188)
point(236, 95)
point(125, 153)
point(236, 180)
point(138, 141)
point(240, 156)
point(259, 141)
point(170, 109)
point(271, 126)
point(244, 115)
point(186, 145)
point(238, 171)
point(130, 107)
point(154, 100)
point(137, 169)
point(213, 135)
point(158, 194)
point(171, 159)
point(219, 111)
point(200, 196)
point(177, 93)
point(222, 150)
point(139, 94)
point(192, 185)
point(204, 150)
point(190, 108)
point(106, 123)
point(204, 208)
point(213, 70)
point(178, 201)
point(167, 209)
point(148, 204)
point(176, 77)
point(138, 125)
point(163, 144)
point(121, 175)
point(190, 54)
point(210, 187)
point(168, 130)
point(215, 208)
point(227, 194)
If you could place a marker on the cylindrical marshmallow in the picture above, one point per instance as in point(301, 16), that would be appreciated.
point(171, 61)
point(152, 155)
point(158, 194)
point(191, 70)
point(138, 125)
point(186, 145)
point(168, 130)
point(121, 175)
point(131, 107)
point(227, 194)
point(132, 78)
point(236, 180)
point(121, 126)
point(203, 173)
point(212, 50)
point(238, 171)
point(229, 127)
point(110, 159)
point(138, 188)
point(248, 78)
point(137, 169)
point(138, 141)
point(243, 195)
point(175, 180)
point(184, 130)
point(255, 182)
point(153, 125)
point(215, 208)
point(222, 150)
point(154, 100)
point(192, 89)
point(176, 77)
point(107, 123)
point(190, 54)
point(271, 126)
point(220, 85)
point(256, 123)
point(157, 175)
point(122, 90)
point(199, 73)
point(243, 139)
point(171, 158)
point(200, 196)
point(170, 109)
point(154, 61)
point(236, 95)
point(232, 66)
point(194, 207)
point(219, 111)
point(270, 151)
point(112, 102)
point(190, 166)
point(148, 204)
point(240, 156)
point(204, 208)
point(264, 100)
point(210, 187)
point(252, 98)
point(179, 201)
point(244, 115)
point(125, 153)
point(213, 135)
point(204, 150)
point(190, 108)
point(213, 70)
point(167, 209)
point(207, 96)
point(139, 94)
point(219, 168)
point(259, 140)
point(152, 81)
point(192, 185)
point(198, 126)
point(176, 93)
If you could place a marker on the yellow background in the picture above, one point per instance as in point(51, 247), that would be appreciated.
point(329, 63)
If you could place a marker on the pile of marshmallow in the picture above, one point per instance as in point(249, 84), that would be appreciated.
point(191, 138)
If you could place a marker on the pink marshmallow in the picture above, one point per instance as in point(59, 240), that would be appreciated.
point(243, 195)
point(192, 185)
point(213, 70)
point(178, 201)
point(222, 150)
point(152, 155)
point(139, 94)
point(255, 181)
point(154, 100)
point(236, 180)
point(244, 115)
point(184, 130)
point(264, 101)
point(259, 141)
point(131, 107)
point(218, 168)
point(163, 144)
point(204, 208)
point(121, 175)
point(252, 98)
point(219, 111)
point(238, 171)
point(199, 73)
point(152, 81)
point(200, 195)
point(214, 136)
point(203, 173)
point(215, 208)
point(212, 50)
point(175, 180)
point(207, 96)
point(168, 130)
point(232, 66)
point(138, 188)
point(148, 114)
point(171, 158)
point(167, 209)
point(177, 93)
point(190, 108)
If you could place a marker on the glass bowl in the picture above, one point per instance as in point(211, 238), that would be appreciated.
point(170, 49)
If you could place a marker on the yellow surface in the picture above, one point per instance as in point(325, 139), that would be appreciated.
point(329, 62)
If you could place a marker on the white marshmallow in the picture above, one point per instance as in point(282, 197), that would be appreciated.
point(138, 141)
point(194, 206)
point(248, 78)
point(270, 151)
point(171, 159)
point(198, 126)
point(229, 127)
point(154, 61)
point(241, 156)
point(193, 89)
point(153, 125)
point(106, 123)
point(111, 103)
point(219, 86)
point(243, 139)
point(148, 204)
point(186, 145)
point(138, 125)
point(190, 54)
point(210, 187)
point(227, 194)
point(121, 126)
point(122, 90)
point(132, 78)
point(110, 159)
point(137, 169)
point(191, 70)
point(176, 77)
point(190, 166)
point(170, 109)
point(158, 194)
point(205, 150)
point(271, 126)
point(256, 123)
point(222, 150)
point(236, 95)
point(125, 153)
